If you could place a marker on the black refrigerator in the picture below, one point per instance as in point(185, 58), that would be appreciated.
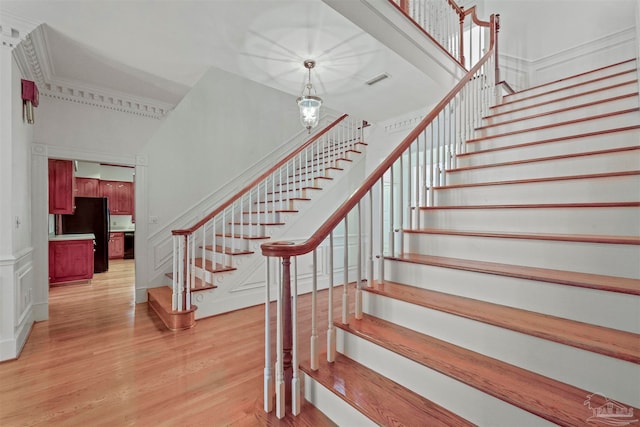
point(91, 216)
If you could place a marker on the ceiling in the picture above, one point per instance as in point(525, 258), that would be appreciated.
point(158, 49)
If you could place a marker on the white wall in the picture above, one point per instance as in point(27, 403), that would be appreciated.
point(16, 263)
point(543, 40)
point(89, 129)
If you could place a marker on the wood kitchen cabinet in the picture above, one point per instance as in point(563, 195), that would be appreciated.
point(116, 245)
point(87, 187)
point(70, 260)
point(120, 195)
point(61, 186)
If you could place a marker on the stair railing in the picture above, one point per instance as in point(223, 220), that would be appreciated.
point(458, 31)
point(387, 201)
point(258, 204)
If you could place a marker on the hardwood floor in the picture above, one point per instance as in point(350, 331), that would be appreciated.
point(101, 360)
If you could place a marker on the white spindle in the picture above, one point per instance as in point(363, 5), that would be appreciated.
point(331, 331)
point(280, 393)
point(174, 275)
point(295, 380)
point(359, 266)
point(268, 379)
point(392, 207)
point(381, 214)
point(315, 351)
point(345, 288)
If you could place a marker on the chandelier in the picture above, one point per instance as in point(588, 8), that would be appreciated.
point(309, 104)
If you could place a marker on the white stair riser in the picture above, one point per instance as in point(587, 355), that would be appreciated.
point(209, 277)
point(262, 217)
point(237, 243)
point(608, 189)
point(618, 221)
point(615, 378)
point(280, 205)
point(573, 114)
point(587, 79)
point(594, 258)
point(583, 165)
point(560, 131)
point(608, 309)
point(252, 229)
point(629, 138)
point(561, 103)
point(465, 401)
point(339, 411)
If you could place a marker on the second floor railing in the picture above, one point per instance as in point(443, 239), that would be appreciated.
point(458, 31)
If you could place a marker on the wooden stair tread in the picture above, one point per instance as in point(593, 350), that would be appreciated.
point(537, 206)
point(565, 98)
point(208, 265)
point(570, 278)
point(269, 211)
point(626, 61)
point(200, 285)
point(607, 341)
point(575, 85)
point(228, 251)
point(556, 124)
point(585, 238)
point(263, 223)
point(546, 159)
point(547, 179)
point(160, 299)
point(242, 236)
point(549, 140)
point(560, 110)
point(382, 400)
point(290, 199)
point(550, 399)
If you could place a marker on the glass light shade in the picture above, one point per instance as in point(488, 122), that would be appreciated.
point(309, 110)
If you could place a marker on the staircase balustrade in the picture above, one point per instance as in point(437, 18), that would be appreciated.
point(387, 202)
point(214, 238)
point(458, 31)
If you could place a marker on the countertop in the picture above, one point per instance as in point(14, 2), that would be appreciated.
point(121, 230)
point(61, 237)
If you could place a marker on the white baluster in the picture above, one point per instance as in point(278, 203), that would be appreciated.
point(295, 380)
point(268, 379)
point(280, 393)
point(315, 352)
point(174, 280)
point(359, 266)
point(331, 331)
point(381, 264)
point(345, 288)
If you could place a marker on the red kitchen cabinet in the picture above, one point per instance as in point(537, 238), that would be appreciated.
point(120, 195)
point(70, 260)
point(61, 186)
point(116, 245)
point(87, 187)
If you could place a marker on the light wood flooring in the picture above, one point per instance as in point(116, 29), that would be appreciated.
point(102, 360)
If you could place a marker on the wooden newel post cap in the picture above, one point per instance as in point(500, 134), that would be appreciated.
point(275, 248)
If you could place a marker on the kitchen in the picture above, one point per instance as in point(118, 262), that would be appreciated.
point(91, 218)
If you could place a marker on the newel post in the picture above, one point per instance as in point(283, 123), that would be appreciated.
point(495, 41)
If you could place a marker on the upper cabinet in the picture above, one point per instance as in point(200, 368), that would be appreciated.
point(61, 186)
point(120, 195)
point(87, 187)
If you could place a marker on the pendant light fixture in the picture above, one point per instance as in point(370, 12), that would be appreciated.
point(309, 104)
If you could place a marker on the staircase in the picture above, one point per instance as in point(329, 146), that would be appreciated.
point(220, 250)
point(516, 301)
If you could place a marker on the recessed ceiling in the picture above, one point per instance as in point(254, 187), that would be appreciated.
point(159, 49)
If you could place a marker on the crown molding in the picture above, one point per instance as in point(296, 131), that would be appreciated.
point(14, 29)
point(34, 62)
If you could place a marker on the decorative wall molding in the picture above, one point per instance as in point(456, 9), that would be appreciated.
point(522, 69)
point(34, 61)
point(14, 29)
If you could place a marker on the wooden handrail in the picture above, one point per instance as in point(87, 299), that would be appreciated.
point(282, 249)
point(474, 17)
point(258, 180)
